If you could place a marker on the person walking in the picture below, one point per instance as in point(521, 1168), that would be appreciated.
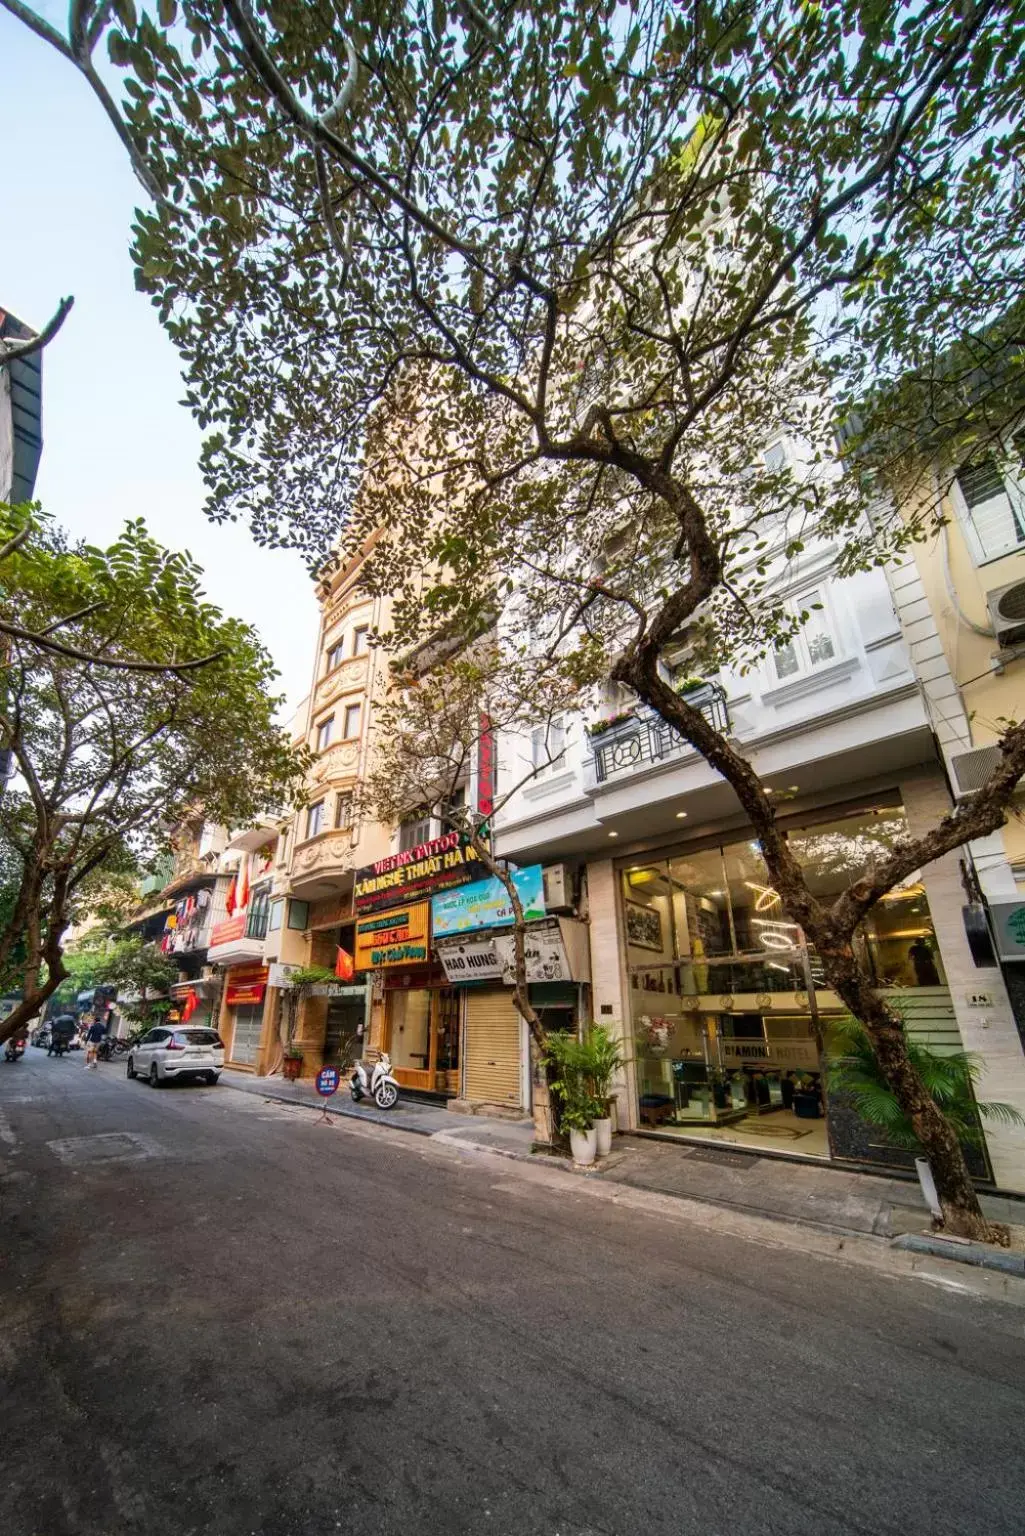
point(93, 1035)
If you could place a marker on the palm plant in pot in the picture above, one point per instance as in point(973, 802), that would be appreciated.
point(602, 1059)
point(567, 1063)
point(302, 980)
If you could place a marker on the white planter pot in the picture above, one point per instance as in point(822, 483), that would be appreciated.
point(603, 1132)
point(584, 1147)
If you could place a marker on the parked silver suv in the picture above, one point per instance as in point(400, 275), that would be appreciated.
point(177, 1051)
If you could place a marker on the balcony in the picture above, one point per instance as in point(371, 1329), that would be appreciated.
point(645, 738)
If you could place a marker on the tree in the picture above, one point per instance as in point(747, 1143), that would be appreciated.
point(588, 261)
point(432, 731)
point(104, 761)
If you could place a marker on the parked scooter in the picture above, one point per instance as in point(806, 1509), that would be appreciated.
point(15, 1049)
point(374, 1082)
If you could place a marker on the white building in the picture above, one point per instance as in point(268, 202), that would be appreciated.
point(693, 959)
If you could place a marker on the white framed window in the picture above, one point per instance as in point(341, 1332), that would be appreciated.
point(548, 748)
point(778, 455)
point(344, 811)
point(990, 502)
point(360, 639)
point(325, 730)
point(351, 721)
point(315, 819)
point(815, 645)
point(336, 655)
point(276, 914)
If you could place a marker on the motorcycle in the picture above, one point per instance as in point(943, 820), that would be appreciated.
point(374, 1082)
point(15, 1049)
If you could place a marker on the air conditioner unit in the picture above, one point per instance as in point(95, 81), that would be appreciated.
point(972, 769)
point(1007, 613)
point(558, 883)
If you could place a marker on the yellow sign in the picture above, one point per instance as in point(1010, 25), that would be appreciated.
point(398, 937)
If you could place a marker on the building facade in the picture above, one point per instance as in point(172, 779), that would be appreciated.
point(695, 962)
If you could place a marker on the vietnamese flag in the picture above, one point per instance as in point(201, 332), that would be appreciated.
point(243, 895)
point(231, 900)
point(345, 965)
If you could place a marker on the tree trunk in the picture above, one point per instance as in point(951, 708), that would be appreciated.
point(15, 1022)
point(959, 1200)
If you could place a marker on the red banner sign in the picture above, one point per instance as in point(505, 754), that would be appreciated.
point(231, 928)
point(246, 984)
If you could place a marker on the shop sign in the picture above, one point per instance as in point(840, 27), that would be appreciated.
point(545, 954)
point(393, 938)
point(487, 768)
point(485, 903)
point(232, 928)
point(470, 959)
point(246, 984)
point(1009, 928)
point(433, 866)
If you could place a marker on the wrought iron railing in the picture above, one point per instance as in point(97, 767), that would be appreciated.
point(647, 738)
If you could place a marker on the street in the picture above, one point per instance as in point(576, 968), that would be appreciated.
point(221, 1316)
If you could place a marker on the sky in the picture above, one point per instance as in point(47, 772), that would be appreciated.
point(116, 442)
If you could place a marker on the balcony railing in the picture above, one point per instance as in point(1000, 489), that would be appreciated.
point(646, 738)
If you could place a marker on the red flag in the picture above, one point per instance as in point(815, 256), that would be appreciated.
point(243, 895)
point(345, 966)
point(231, 900)
point(191, 1004)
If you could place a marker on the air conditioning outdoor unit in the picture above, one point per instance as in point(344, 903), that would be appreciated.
point(1007, 613)
point(558, 883)
point(972, 769)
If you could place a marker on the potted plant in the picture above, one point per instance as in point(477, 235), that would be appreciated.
point(602, 1060)
point(292, 1063)
point(578, 1116)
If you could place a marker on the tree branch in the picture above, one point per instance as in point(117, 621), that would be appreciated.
point(12, 351)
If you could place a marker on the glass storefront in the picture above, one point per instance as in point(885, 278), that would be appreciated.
point(423, 1037)
point(727, 1002)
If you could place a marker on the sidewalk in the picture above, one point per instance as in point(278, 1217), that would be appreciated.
point(833, 1199)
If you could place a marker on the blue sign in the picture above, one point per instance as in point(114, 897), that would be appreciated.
point(328, 1079)
point(485, 903)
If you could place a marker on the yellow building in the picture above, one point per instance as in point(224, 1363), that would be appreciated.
point(960, 597)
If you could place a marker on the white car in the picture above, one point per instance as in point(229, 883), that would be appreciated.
point(177, 1051)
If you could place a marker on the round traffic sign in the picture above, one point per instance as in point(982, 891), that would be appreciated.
point(328, 1079)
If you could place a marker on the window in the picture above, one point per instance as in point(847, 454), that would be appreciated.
point(259, 914)
point(315, 819)
point(336, 655)
point(277, 912)
point(548, 747)
point(324, 732)
point(298, 915)
point(351, 727)
point(344, 811)
point(360, 639)
point(813, 646)
point(992, 507)
point(777, 456)
point(414, 832)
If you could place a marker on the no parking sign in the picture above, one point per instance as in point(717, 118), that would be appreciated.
point(328, 1079)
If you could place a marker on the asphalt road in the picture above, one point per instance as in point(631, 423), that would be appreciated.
point(220, 1317)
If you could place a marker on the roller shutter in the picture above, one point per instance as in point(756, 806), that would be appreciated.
point(492, 1053)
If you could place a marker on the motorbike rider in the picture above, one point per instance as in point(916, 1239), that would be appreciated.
point(62, 1030)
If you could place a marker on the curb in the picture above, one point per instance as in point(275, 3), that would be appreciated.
point(332, 1109)
point(978, 1255)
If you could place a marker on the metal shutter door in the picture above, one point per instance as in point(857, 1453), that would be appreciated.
point(492, 1059)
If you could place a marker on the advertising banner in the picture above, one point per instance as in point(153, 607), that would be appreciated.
point(485, 903)
point(470, 959)
point(232, 928)
point(420, 871)
point(393, 938)
point(245, 984)
point(545, 954)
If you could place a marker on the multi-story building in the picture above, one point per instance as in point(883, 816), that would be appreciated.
point(694, 960)
point(21, 414)
point(960, 597)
